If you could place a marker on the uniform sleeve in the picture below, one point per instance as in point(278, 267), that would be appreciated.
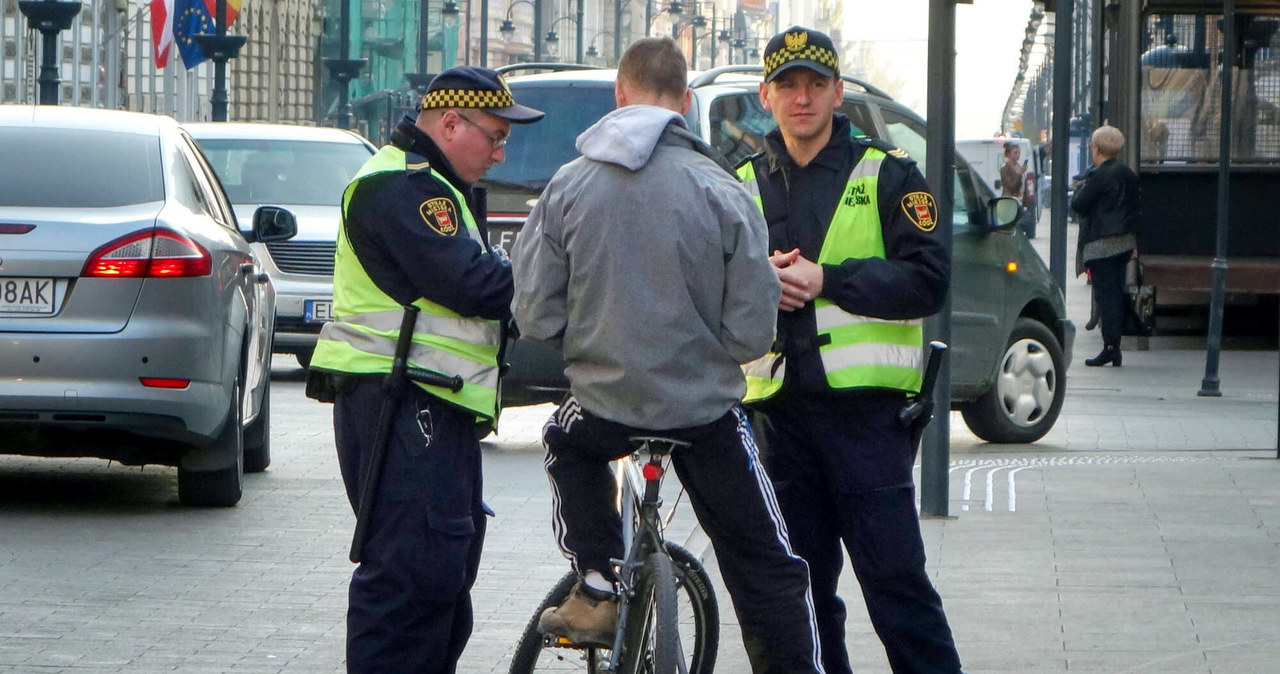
point(752, 288)
point(912, 280)
point(541, 270)
point(410, 252)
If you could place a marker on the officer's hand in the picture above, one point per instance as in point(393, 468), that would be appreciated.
point(780, 259)
point(501, 254)
point(801, 282)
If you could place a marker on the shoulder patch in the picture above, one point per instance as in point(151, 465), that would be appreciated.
point(440, 214)
point(921, 210)
point(899, 153)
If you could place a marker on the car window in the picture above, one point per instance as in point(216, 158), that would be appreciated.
point(536, 151)
point(72, 168)
point(906, 133)
point(285, 172)
point(205, 190)
point(208, 180)
point(859, 118)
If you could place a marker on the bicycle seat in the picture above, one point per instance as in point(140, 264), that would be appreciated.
point(656, 444)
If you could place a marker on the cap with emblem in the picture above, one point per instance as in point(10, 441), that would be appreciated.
point(477, 88)
point(800, 47)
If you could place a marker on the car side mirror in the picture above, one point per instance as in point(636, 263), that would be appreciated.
point(272, 223)
point(1004, 212)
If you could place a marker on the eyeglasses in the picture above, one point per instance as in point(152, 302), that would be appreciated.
point(497, 140)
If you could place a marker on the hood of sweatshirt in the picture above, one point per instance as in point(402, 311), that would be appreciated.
point(628, 135)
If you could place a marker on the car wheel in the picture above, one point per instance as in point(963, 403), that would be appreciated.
point(257, 435)
point(1027, 396)
point(223, 486)
point(304, 357)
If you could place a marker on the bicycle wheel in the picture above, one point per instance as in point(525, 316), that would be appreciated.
point(698, 613)
point(536, 652)
point(652, 641)
point(698, 616)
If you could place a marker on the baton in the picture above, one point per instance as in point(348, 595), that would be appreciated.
point(393, 389)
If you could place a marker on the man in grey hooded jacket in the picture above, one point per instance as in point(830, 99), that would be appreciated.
point(645, 261)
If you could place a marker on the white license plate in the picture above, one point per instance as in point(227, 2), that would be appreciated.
point(26, 295)
point(317, 311)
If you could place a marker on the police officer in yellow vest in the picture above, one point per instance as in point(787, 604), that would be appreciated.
point(851, 227)
point(413, 233)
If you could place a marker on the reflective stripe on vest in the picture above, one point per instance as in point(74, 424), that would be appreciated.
point(362, 337)
point(856, 351)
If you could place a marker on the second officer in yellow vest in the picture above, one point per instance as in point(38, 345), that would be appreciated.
point(413, 234)
point(851, 227)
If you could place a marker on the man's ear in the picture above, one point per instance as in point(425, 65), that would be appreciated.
point(620, 93)
point(687, 101)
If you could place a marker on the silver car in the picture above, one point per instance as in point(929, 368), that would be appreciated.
point(304, 169)
point(135, 317)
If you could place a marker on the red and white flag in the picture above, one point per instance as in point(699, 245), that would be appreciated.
point(161, 30)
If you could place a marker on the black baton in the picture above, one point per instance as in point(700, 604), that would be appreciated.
point(393, 389)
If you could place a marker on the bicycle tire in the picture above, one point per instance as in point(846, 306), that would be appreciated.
point(699, 624)
point(652, 641)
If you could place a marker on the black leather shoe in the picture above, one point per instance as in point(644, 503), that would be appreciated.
point(1109, 354)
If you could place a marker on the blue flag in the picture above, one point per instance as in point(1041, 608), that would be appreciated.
point(190, 18)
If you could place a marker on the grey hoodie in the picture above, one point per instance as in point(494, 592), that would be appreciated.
point(647, 263)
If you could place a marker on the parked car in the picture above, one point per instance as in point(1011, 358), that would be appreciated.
point(135, 318)
point(1011, 339)
point(304, 169)
point(986, 156)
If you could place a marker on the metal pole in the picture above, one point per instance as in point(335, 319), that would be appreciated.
point(50, 18)
point(218, 100)
point(1209, 386)
point(484, 33)
point(935, 456)
point(424, 33)
point(617, 31)
point(648, 16)
point(1061, 134)
point(578, 22)
point(537, 30)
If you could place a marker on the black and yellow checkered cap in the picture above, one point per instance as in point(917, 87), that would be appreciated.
point(478, 88)
point(803, 47)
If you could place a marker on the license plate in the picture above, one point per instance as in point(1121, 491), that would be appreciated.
point(317, 311)
point(26, 295)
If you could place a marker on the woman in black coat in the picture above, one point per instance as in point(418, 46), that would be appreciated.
point(1108, 205)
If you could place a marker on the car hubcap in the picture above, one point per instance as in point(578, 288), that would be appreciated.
point(1027, 383)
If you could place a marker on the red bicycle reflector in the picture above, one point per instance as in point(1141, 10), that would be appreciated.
point(653, 471)
point(164, 382)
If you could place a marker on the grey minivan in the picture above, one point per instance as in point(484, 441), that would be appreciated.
point(1011, 339)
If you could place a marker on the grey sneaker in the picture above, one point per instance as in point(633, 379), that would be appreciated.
point(587, 618)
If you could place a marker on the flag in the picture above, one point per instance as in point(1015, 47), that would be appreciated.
point(161, 30)
point(190, 18)
point(233, 10)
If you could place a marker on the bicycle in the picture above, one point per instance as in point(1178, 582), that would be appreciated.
point(668, 620)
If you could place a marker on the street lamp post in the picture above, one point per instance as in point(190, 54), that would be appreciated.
point(592, 54)
point(344, 68)
point(50, 18)
point(553, 40)
point(508, 28)
point(221, 48)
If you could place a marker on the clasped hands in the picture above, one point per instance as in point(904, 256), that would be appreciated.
point(801, 278)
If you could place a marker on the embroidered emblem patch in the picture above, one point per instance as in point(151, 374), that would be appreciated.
point(440, 215)
point(921, 210)
point(796, 41)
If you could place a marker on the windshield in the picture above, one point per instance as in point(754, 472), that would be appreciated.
point(536, 151)
point(285, 172)
point(69, 168)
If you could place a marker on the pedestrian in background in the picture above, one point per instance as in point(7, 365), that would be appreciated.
point(644, 260)
point(412, 233)
point(1107, 202)
point(853, 230)
point(1012, 171)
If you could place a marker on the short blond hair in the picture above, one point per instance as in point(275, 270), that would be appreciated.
point(1107, 140)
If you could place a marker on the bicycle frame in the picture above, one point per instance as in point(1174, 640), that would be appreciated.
point(639, 503)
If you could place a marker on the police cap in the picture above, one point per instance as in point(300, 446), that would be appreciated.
point(800, 47)
point(478, 88)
